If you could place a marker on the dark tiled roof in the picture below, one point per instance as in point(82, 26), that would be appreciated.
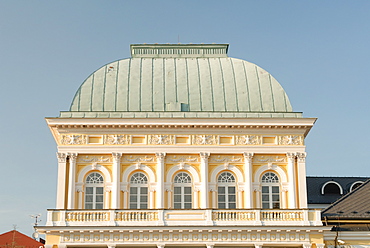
point(314, 186)
point(353, 206)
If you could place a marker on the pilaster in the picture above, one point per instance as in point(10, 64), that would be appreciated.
point(62, 180)
point(248, 157)
point(204, 179)
point(160, 177)
point(291, 177)
point(71, 180)
point(302, 188)
point(116, 180)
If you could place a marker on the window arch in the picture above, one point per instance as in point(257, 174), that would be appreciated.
point(182, 191)
point(355, 185)
point(226, 191)
point(139, 191)
point(332, 188)
point(270, 190)
point(94, 191)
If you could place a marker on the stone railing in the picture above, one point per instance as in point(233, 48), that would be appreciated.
point(194, 217)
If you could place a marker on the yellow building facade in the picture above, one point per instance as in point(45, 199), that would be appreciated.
point(181, 145)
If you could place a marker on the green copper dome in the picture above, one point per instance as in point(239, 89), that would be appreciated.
point(167, 80)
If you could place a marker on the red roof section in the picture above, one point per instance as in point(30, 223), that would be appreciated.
point(15, 239)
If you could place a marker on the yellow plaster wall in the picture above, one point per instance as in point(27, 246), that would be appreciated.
point(316, 238)
point(52, 239)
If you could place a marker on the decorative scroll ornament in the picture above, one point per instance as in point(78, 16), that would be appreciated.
point(301, 156)
point(96, 159)
point(73, 139)
point(161, 139)
point(138, 158)
point(61, 157)
point(204, 139)
point(181, 158)
point(270, 159)
point(248, 140)
point(290, 140)
point(117, 139)
point(225, 159)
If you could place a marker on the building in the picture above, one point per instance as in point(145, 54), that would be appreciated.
point(181, 145)
point(324, 191)
point(15, 239)
point(349, 218)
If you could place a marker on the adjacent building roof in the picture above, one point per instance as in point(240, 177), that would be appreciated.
point(16, 239)
point(192, 79)
point(315, 186)
point(353, 206)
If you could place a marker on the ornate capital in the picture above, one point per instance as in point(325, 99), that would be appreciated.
point(72, 157)
point(116, 156)
point(301, 156)
point(62, 157)
point(248, 156)
point(290, 156)
point(204, 155)
point(160, 156)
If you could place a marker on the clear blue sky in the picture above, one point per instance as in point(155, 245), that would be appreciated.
point(318, 50)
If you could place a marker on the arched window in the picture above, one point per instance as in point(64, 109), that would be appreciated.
point(355, 185)
point(332, 188)
point(270, 190)
point(94, 191)
point(182, 193)
point(226, 191)
point(139, 191)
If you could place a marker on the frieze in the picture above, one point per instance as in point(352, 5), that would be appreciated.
point(204, 139)
point(139, 158)
point(225, 159)
point(117, 139)
point(290, 140)
point(182, 158)
point(161, 139)
point(248, 140)
point(73, 139)
point(269, 158)
point(94, 159)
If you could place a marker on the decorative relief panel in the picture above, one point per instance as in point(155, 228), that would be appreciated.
point(204, 139)
point(94, 159)
point(117, 139)
point(139, 158)
point(182, 158)
point(225, 159)
point(248, 140)
point(269, 159)
point(290, 140)
point(73, 139)
point(161, 139)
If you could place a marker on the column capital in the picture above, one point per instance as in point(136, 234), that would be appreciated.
point(290, 155)
point(160, 245)
point(320, 245)
point(62, 157)
point(72, 156)
point(301, 156)
point(248, 156)
point(160, 155)
point(116, 156)
point(204, 155)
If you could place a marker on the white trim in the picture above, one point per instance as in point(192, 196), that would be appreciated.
point(193, 172)
point(323, 187)
point(353, 184)
point(142, 167)
point(234, 169)
point(94, 167)
point(278, 170)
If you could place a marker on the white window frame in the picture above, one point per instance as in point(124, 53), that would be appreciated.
point(226, 180)
point(182, 185)
point(270, 181)
point(95, 181)
point(139, 181)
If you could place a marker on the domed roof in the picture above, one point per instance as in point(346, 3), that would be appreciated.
point(180, 78)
